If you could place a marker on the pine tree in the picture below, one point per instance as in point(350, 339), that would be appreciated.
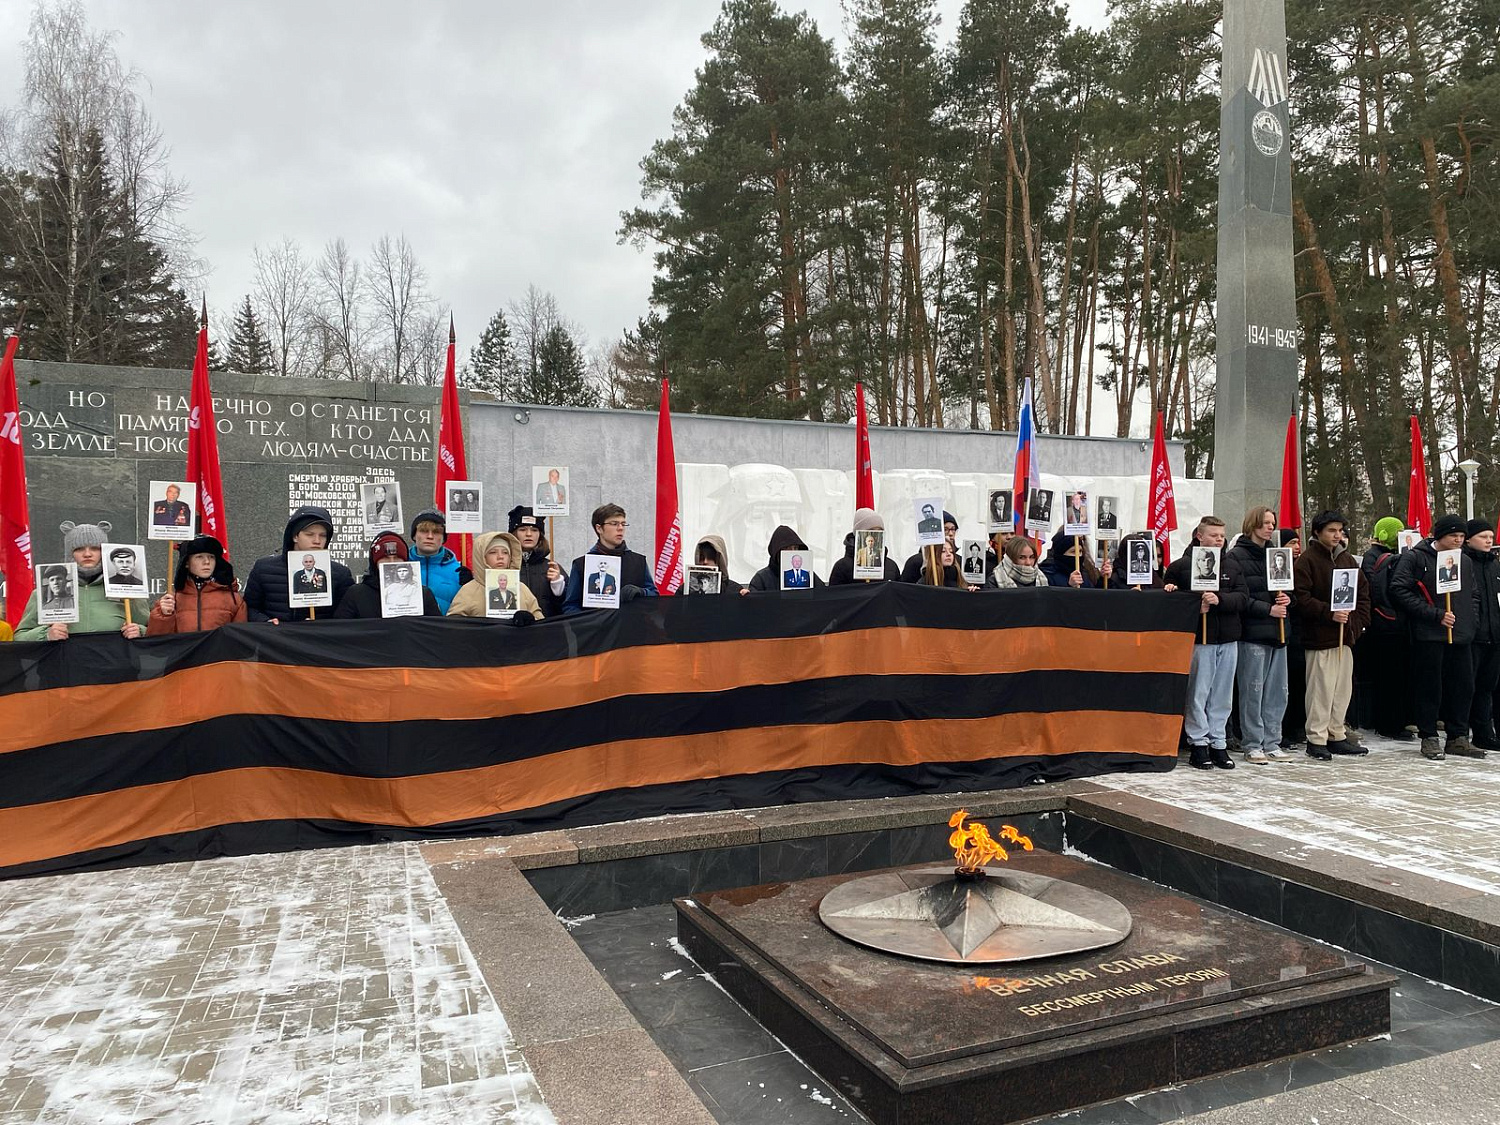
point(249, 349)
point(561, 376)
point(489, 360)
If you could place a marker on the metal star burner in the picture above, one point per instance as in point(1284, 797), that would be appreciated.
point(967, 916)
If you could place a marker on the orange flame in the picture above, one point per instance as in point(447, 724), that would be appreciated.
point(973, 846)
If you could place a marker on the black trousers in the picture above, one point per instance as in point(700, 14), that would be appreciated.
point(1486, 678)
point(1442, 685)
point(1385, 685)
point(1294, 722)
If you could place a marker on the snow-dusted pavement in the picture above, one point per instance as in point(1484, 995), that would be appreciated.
point(1441, 819)
point(327, 986)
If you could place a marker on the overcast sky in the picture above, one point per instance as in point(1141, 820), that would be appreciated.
point(502, 138)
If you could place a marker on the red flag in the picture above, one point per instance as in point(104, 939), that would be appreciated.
point(1163, 513)
point(203, 446)
point(668, 571)
point(15, 517)
point(864, 480)
point(1289, 514)
point(452, 463)
point(1418, 503)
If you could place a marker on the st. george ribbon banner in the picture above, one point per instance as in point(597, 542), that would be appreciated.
point(253, 738)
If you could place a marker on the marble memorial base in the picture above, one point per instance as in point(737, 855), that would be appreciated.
point(1192, 991)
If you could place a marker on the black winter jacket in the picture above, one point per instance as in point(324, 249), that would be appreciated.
point(265, 589)
point(783, 538)
point(1414, 586)
point(534, 574)
point(843, 571)
point(363, 601)
point(1487, 581)
point(1256, 623)
point(1379, 565)
point(1223, 619)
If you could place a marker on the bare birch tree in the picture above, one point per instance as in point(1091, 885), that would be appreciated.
point(284, 299)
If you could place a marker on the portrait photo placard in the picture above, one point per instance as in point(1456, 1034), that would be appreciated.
point(125, 570)
point(1107, 517)
point(1205, 570)
point(929, 516)
point(308, 584)
point(601, 582)
point(704, 580)
point(1139, 560)
point(464, 506)
point(1002, 510)
point(57, 593)
point(971, 559)
point(1407, 539)
point(1279, 575)
point(1076, 519)
point(549, 489)
point(380, 502)
point(500, 593)
point(400, 589)
point(1450, 571)
point(795, 574)
point(869, 554)
point(172, 510)
point(1039, 511)
point(1345, 590)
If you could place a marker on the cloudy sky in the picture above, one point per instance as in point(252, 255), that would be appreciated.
point(503, 139)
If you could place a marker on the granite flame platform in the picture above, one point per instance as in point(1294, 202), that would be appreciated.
point(1192, 991)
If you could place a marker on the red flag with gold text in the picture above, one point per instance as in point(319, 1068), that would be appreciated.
point(452, 462)
point(1162, 515)
point(668, 572)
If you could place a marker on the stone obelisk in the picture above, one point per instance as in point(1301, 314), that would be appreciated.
point(1257, 318)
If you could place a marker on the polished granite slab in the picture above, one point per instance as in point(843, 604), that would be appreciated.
point(1193, 990)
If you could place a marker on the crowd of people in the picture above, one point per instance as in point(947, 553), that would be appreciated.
point(1272, 670)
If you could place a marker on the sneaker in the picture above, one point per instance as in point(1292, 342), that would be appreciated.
point(1257, 757)
point(1460, 745)
point(1320, 752)
point(1277, 754)
point(1198, 757)
point(1431, 750)
point(1220, 757)
point(1347, 746)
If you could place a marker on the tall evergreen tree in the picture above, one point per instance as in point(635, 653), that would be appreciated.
point(490, 359)
point(561, 377)
point(249, 348)
point(742, 220)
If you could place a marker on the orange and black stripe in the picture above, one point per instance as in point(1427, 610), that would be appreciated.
point(418, 725)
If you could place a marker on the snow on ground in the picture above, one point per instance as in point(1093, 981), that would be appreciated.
point(1392, 807)
point(326, 986)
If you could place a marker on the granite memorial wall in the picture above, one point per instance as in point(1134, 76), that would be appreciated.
point(97, 436)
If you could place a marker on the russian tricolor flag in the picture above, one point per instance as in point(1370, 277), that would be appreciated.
point(1027, 474)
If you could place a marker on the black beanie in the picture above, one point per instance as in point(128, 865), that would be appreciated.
point(429, 515)
point(1477, 527)
point(1447, 525)
point(521, 515)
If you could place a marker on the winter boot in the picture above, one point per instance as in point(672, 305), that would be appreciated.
point(1219, 755)
point(1460, 746)
point(1431, 750)
point(1198, 757)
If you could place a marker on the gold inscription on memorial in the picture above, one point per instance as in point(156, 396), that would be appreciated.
point(1017, 986)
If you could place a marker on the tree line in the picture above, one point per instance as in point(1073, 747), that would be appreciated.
point(945, 217)
point(941, 212)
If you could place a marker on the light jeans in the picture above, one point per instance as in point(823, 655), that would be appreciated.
point(1210, 693)
point(1261, 676)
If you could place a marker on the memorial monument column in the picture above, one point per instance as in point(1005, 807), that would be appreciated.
point(1256, 350)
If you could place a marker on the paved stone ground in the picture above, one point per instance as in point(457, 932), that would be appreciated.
point(1392, 806)
point(327, 986)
